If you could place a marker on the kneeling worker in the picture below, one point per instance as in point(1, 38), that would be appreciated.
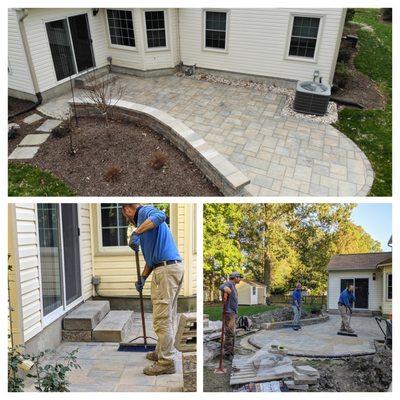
point(346, 302)
point(162, 258)
point(231, 312)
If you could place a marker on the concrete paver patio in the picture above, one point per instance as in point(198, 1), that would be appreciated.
point(282, 156)
point(321, 339)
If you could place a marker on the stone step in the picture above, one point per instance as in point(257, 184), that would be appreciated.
point(86, 316)
point(115, 327)
point(81, 81)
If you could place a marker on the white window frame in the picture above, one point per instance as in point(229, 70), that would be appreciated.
point(64, 308)
point(213, 49)
point(119, 46)
point(166, 28)
point(314, 60)
point(66, 16)
point(387, 286)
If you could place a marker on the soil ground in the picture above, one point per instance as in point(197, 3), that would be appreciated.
point(127, 147)
point(17, 105)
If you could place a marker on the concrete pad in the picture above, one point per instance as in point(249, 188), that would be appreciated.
point(34, 139)
point(86, 316)
point(30, 119)
point(321, 340)
point(23, 153)
point(115, 327)
point(49, 125)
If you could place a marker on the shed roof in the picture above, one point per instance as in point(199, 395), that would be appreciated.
point(345, 262)
point(254, 283)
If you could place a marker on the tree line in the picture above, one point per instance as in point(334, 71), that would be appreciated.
point(278, 244)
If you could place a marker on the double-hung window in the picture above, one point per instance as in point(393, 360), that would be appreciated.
point(303, 40)
point(120, 25)
point(389, 286)
point(215, 30)
point(155, 29)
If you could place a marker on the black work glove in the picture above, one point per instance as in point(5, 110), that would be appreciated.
point(134, 242)
point(139, 285)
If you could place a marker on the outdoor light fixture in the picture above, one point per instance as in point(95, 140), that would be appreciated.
point(373, 276)
point(95, 11)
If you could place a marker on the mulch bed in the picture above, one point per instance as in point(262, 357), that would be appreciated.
point(126, 147)
point(17, 105)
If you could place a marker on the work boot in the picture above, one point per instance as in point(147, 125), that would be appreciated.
point(160, 369)
point(350, 330)
point(152, 356)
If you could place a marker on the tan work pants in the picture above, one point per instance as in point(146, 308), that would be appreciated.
point(345, 318)
point(166, 284)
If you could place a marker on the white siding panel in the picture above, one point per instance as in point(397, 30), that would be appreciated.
point(27, 253)
point(19, 77)
point(258, 41)
point(375, 287)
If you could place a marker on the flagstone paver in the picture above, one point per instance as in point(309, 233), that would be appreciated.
point(30, 119)
point(24, 153)
point(34, 139)
point(296, 157)
point(49, 125)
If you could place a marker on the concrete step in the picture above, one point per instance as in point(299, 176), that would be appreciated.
point(86, 316)
point(115, 327)
point(81, 80)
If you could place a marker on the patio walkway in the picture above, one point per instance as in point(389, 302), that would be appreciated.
point(282, 156)
point(321, 339)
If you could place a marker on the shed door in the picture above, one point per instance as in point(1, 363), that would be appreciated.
point(361, 292)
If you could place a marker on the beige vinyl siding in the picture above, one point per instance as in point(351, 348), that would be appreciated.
point(375, 287)
point(26, 260)
point(19, 77)
point(39, 45)
point(386, 303)
point(86, 250)
point(245, 294)
point(257, 42)
point(117, 269)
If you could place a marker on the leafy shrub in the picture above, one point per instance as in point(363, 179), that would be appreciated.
point(15, 359)
point(342, 75)
point(158, 160)
point(113, 174)
point(345, 54)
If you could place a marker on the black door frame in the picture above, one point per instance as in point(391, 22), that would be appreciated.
point(353, 281)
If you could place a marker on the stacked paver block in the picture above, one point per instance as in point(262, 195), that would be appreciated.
point(185, 341)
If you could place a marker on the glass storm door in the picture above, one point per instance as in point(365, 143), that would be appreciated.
point(82, 42)
point(72, 264)
point(50, 257)
point(60, 266)
point(361, 292)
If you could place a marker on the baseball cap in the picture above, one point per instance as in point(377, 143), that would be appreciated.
point(235, 274)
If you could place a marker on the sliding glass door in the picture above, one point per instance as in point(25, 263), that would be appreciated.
point(59, 256)
point(70, 45)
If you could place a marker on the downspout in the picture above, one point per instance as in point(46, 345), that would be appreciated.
point(30, 64)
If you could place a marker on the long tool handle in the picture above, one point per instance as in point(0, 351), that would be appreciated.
point(141, 299)
point(221, 357)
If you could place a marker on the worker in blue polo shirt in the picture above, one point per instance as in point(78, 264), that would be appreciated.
point(296, 306)
point(163, 260)
point(345, 306)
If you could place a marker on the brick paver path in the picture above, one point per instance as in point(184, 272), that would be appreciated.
point(282, 156)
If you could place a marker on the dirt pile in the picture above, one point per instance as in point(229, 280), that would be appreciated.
point(282, 314)
point(357, 374)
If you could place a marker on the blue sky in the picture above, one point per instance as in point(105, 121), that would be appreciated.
point(376, 219)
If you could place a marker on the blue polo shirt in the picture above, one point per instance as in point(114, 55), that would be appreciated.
point(346, 298)
point(296, 296)
point(157, 244)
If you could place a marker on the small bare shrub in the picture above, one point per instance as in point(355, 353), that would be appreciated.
point(158, 160)
point(113, 174)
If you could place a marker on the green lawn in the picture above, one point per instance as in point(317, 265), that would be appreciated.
point(27, 180)
point(215, 311)
point(372, 129)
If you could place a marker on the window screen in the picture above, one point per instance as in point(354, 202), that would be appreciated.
point(155, 29)
point(389, 286)
point(120, 25)
point(215, 29)
point(304, 37)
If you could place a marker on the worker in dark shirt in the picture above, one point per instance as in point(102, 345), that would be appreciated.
point(345, 306)
point(296, 306)
point(231, 312)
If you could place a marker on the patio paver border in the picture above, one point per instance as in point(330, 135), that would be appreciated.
point(221, 172)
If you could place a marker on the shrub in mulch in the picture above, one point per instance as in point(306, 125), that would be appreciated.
point(342, 75)
point(113, 174)
point(158, 160)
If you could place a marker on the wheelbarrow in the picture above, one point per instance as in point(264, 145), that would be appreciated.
point(385, 325)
